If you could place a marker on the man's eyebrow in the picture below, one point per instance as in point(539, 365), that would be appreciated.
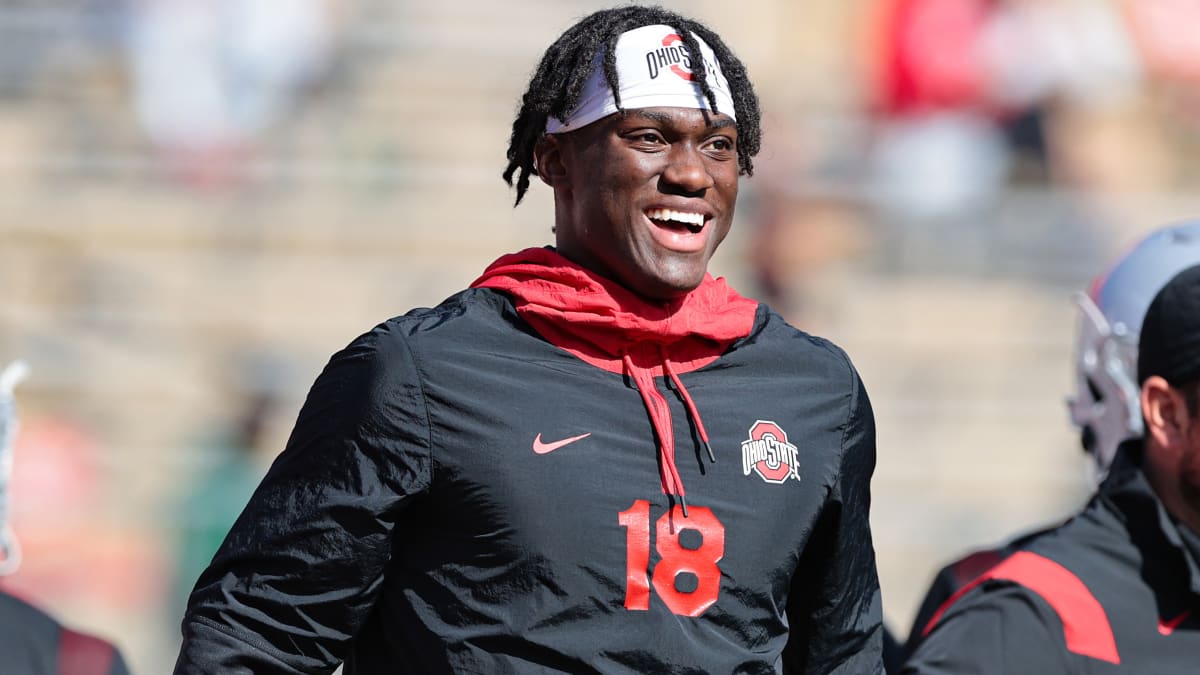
point(666, 118)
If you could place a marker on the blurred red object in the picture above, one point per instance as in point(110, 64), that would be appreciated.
point(74, 552)
point(926, 55)
point(1165, 32)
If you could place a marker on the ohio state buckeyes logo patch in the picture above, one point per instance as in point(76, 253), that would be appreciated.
point(768, 453)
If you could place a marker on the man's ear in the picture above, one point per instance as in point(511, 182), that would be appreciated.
point(548, 158)
point(1164, 411)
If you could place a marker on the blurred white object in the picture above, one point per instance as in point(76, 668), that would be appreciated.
point(212, 73)
point(1080, 50)
point(938, 166)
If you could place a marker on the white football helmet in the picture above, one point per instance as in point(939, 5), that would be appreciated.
point(1106, 404)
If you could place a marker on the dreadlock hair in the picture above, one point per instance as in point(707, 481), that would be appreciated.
point(565, 67)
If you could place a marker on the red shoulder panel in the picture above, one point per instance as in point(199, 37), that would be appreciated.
point(1086, 628)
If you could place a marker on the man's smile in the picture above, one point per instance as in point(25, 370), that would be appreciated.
point(678, 231)
point(693, 222)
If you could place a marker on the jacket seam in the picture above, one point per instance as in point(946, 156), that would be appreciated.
point(220, 629)
point(418, 369)
point(852, 400)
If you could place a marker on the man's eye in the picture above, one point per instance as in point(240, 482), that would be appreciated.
point(647, 137)
point(722, 144)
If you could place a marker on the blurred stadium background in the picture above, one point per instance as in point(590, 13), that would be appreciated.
point(201, 200)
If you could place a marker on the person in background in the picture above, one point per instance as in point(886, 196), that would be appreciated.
point(1117, 587)
point(1105, 407)
point(32, 641)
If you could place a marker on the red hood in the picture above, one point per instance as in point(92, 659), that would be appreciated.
point(599, 320)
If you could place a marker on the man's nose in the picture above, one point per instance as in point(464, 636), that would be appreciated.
point(686, 171)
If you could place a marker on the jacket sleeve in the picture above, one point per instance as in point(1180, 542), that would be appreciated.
point(996, 629)
point(300, 569)
point(834, 605)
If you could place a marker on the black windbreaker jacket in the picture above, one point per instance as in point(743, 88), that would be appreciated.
point(1114, 590)
point(461, 496)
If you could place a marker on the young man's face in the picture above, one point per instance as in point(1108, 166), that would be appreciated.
point(644, 198)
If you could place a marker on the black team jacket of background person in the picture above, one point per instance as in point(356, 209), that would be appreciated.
point(1116, 589)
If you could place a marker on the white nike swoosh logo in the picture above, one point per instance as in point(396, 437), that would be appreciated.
point(542, 448)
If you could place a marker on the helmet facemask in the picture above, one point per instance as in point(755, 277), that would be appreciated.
point(1106, 405)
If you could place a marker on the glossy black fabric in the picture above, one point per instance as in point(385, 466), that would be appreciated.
point(409, 526)
point(1130, 556)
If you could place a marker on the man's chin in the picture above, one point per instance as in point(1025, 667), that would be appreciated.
point(667, 289)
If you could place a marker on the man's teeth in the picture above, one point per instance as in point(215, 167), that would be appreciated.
point(692, 219)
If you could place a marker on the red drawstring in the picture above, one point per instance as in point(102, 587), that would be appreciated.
point(691, 405)
point(660, 418)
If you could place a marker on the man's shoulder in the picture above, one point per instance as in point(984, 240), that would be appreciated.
point(775, 339)
point(1081, 553)
point(466, 312)
point(1105, 578)
point(1098, 543)
point(994, 628)
point(1063, 575)
point(466, 306)
point(470, 318)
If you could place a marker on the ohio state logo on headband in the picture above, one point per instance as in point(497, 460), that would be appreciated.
point(673, 55)
point(768, 453)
